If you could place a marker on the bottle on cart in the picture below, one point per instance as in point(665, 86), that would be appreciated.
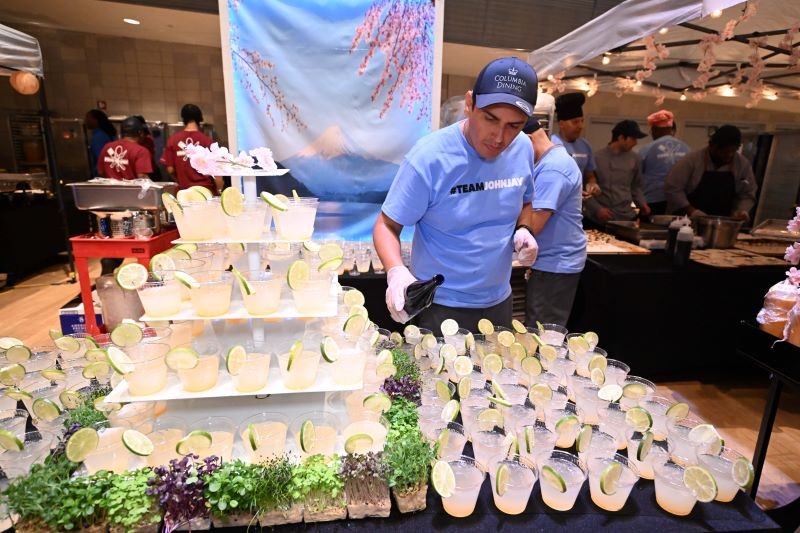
point(105, 226)
point(672, 234)
point(419, 295)
point(683, 247)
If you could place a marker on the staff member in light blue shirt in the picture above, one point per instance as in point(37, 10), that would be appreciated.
point(557, 226)
point(658, 158)
point(569, 112)
point(465, 188)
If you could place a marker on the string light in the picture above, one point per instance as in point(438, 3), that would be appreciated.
point(683, 97)
point(638, 83)
point(663, 31)
point(716, 14)
point(727, 91)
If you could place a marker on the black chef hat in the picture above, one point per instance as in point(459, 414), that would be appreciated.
point(131, 127)
point(726, 135)
point(570, 105)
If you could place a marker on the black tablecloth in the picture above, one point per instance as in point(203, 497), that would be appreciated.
point(31, 234)
point(640, 514)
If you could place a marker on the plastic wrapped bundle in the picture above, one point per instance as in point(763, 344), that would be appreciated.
point(779, 301)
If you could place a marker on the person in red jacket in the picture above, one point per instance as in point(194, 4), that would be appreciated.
point(175, 158)
point(126, 159)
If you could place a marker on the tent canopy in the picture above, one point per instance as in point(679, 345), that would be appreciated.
point(19, 51)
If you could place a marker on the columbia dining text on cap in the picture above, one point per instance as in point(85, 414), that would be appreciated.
point(508, 80)
point(628, 128)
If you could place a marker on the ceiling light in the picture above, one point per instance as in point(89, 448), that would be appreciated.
point(727, 91)
point(771, 95)
point(683, 97)
point(606, 60)
point(638, 83)
point(716, 14)
point(131, 21)
point(663, 31)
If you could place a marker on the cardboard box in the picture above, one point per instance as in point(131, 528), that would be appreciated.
point(73, 318)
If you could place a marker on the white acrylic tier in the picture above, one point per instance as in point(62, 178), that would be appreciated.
point(266, 237)
point(225, 389)
point(237, 311)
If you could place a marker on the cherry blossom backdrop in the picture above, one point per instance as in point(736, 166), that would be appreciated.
point(339, 91)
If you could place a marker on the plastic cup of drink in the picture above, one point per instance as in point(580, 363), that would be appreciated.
point(684, 451)
point(191, 267)
point(377, 264)
point(297, 222)
point(212, 296)
point(487, 444)
point(612, 421)
point(657, 407)
point(41, 357)
point(326, 432)
point(458, 340)
point(222, 430)
point(582, 361)
point(249, 225)
point(13, 420)
point(313, 297)
point(161, 294)
point(429, 418)
point(590, 403)
point(110, 453)
point(167, 431)
point(553, 334)
point(182, 333)
point(535, 440)
point(43, 390)
point(519, 415)
point(658, 454)
point(526, 339)
point(266, 296)
point(616, 500)
point(616, 371)
point(469, 475)
point(566, 433)
point(671, 494)
point(649, 386)
point(348, 369)
point(195, 220)
point(721, 467)
point(149, 374)
point(205, 375)
point(218, 258)
point(253, 372)
point(36, 447)
point(302, 372)
point(522, 475)
point(450, 437)
point(575, 383)
point(376, 429)
point(602, 445)
point(363, 260)
point(567, 468)
point(136, 415)
point(268, 432)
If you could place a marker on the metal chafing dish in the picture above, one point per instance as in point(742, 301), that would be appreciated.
point(123, 196)
point(635, 232)
point(35, 181)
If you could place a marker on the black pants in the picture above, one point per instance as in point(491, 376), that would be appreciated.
point(549, 297)
point(467, 317)
point(658, 208)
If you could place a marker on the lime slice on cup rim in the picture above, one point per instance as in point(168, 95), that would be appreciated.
point(193, 442)
point(443, 479)
point(609, 478)
point(329, 350)
point(81, 444)
point(307, 436)
point(131, 276)
point(182, 359)
point(126, 334)
point(137, 443)
point(234, 359)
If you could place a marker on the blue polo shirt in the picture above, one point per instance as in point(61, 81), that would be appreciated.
point(557, 185)
point(580, 150)
point(465, 209)
point(658, 157)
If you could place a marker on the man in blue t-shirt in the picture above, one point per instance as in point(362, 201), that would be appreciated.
point(659, 157)
point(465, 188)
point(556, 222)
point(569, 112)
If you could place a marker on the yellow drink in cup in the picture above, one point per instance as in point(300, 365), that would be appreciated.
point(149, 374)
point(469, 477)
point(299, 361)
point(297, 222)
point(249, 369)
point(161, 294)
point(262, 292)
point(315, 432)
point(222, 430)
point(265, 431)
point(203, 376)
point(312, 296)
point(212, 296)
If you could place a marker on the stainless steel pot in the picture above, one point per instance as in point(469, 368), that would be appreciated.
point(718, 232)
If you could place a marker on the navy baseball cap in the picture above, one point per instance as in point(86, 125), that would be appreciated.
point(628, 128)
point(508, 80)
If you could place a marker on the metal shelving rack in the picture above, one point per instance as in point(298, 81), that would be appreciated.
point(28, 128)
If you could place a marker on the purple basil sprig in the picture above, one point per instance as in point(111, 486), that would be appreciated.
point(179, 489)
point(405, 387)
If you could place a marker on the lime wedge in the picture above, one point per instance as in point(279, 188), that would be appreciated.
point(540, 394)
point(137, 443)
point(530, 438)
point(506, 339)
point(450, 411)
point(441, 441)
point(96, 370)
point(517, 351)
point(18, 354)
point(493, 364)
point(610, 393)
point(17, 394)
point(384, 356)
point(638, 419)
point(518, 326)
point(443, 391)
point(634, 391)
point(499, 401)
point(443, 479)
point(354, 325)
point(252, 436)
point(358, 443)
point(103, 406)
point(234, 359)
point(45, 409)
point(706, 434)
point(54, 374)
point(70, 399)
point(485, 326)
point(204, 192)
point(126, 335)
point(82, 443)
point(609, 478)
point(119, 360)
point(95, 354)
point(584, 439)
point(12, 374)
point(567, 424)
point(236, 247)
point(186, 279)
point(295, 350)
point(330, 265)
point(247, 288)
point(329, 349)
point(194, 442)
point(10, 442)
point(742, 472)
point(232, 201)
point(555, 479)
point(464, 388)
point(182, 359)
point(592, 338)
point(489, 418)
point(428, 340)
point(307, 436)
point(67, 344)
point(377, 402)
point(449, 327)
point(298, 275)
point(171, 203)
point(498, 390)
point(161, 262)
point(311, 246)
point(131, 276)
point(548, 352)
point(501, 479)
point(531, 366)
point(274, 202)
point(644, 446)
point(598, 377)
point(329, 251)
point(678, 410)
point(462, 366)
point(353, 297)
point(447, 352)
point(578, 345)
point(358, 310)
point(469, 342)
point(599, 362)
point(701, 483)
